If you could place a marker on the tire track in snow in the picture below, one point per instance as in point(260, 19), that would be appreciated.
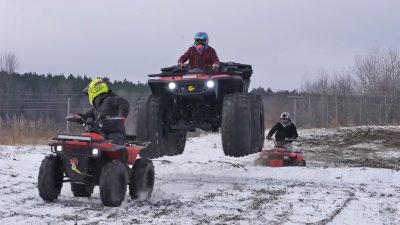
point(335, 213)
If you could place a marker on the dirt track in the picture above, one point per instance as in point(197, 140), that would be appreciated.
point(375, 147)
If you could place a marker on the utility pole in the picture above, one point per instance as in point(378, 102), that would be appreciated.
point(294, 106)
point(68, 105)
point(309, 111)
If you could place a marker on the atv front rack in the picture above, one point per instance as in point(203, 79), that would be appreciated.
point(228, 68)
point(68, 137)
point(183, 73)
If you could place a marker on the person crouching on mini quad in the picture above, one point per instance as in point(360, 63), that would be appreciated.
point(107, 104)
point(283, 129)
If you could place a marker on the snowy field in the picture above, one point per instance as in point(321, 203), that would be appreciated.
point(340, 185)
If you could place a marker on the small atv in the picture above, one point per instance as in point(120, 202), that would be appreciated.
point(185, 99)
point(280, 156)
point(88, 159)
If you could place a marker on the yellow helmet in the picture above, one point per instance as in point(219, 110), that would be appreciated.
point(95, 88)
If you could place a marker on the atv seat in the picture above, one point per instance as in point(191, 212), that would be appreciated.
point(245, 70)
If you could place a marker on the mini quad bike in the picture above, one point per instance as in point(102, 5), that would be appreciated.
point(280, 156)
point(87, 160)
point(183, 100)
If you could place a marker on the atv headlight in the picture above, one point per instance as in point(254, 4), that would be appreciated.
point(210, 84)
point(59, 148)
point(172, 86)
point(95, 151)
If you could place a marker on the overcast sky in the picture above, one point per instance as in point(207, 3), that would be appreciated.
point(284, 40)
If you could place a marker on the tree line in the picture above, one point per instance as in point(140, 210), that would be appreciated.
point(365, 94)
point(39, 96)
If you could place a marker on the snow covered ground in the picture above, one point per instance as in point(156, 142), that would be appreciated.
point(202, 186)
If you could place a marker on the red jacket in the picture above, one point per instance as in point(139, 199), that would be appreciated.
point(197, 60)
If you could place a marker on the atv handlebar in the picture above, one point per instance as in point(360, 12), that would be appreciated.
point(292, 139)
point(75, 118)
point(91, 125)
point(287, 139)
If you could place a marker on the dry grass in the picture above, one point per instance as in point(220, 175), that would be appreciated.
point(333, 123)
point(19, 130)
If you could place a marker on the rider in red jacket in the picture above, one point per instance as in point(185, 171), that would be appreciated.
point(200, 55)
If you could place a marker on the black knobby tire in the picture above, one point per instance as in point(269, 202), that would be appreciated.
point(235, 124)
point(140, 118)
point(142, 179)
point(163, 141)
point(175, 142)
point(82, 190)
point(257, 123)
point(113, 182)
point(50, 179)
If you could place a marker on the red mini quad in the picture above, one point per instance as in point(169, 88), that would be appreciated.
point(89, 160)
point(280, 156)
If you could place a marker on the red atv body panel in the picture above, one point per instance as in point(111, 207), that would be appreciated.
point(279, 157)
point(133, 152)
point(94, 136)
point(112, 151)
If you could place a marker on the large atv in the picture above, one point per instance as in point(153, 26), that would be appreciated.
point(183, 100)
point(89, 160)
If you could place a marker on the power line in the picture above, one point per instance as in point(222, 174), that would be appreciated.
point(54, 109)
point(36, 102)
point(20, 94)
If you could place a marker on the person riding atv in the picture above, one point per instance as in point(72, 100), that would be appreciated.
point(200, 55)
point(88, 159)
point(106, 104)
point(284, 130)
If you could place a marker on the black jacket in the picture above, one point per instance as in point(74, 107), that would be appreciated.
point(111, 105)
point(282, 132)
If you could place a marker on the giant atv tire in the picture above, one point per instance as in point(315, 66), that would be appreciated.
point(154, 128)
point(50, 179)
point(82, 190)
point(113, 182)
point(257, 123)
point(236, 125)
point(140, 117)
point(142, 179)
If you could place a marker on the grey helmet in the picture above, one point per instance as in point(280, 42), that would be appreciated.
point(285, 119)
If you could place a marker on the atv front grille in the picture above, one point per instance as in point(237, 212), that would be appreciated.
point(81, 150)
point(77, 168)
point(190, 88)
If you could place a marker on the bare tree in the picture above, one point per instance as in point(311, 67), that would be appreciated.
point(1, 64)
point(368, 94)
point(10, 63)
point(378, 76)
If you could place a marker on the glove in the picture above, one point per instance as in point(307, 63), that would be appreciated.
point(180, 66)
point(215, 67)
point(124, 119)
point(269, 137)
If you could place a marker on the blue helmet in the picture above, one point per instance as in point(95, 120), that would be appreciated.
point(201, 38)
